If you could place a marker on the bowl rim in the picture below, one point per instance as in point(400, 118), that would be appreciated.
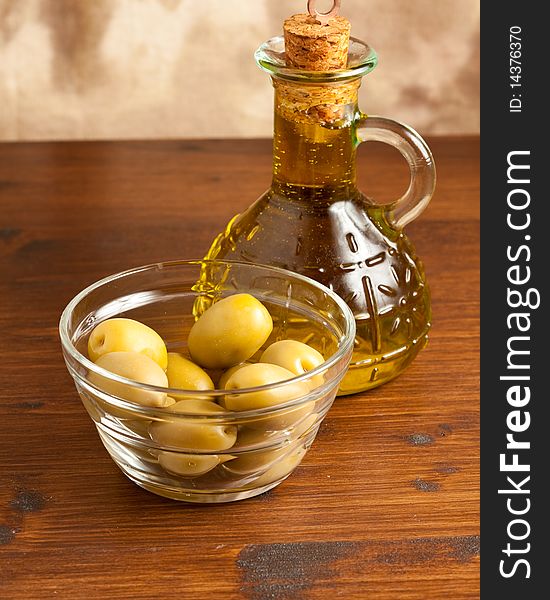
point(346, 343)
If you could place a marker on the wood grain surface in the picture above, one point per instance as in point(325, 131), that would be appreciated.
point(384, 506)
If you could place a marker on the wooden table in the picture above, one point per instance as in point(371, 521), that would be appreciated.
point(385, 506)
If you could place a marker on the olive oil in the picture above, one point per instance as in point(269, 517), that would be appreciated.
point(314, 221)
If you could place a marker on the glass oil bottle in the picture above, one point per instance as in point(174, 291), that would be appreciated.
point(314, 221)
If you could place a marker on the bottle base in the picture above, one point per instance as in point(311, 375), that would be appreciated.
point(370, 372)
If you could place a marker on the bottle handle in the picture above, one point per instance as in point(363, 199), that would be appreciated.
point(417, 154)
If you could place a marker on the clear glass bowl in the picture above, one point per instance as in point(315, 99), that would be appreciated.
point(260, 448)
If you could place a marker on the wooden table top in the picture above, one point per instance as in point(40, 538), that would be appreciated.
point(385, 505)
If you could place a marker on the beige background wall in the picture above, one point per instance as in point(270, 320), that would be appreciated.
point(90, 69)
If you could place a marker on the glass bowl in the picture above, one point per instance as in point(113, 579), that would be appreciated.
point(248, 452)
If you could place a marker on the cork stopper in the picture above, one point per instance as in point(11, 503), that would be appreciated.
point(311, 46)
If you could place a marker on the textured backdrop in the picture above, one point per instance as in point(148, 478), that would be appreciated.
point(72, 69)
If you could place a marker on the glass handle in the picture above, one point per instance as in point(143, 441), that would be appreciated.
point(419, 157)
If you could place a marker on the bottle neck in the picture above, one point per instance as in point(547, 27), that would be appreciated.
point(314, 150)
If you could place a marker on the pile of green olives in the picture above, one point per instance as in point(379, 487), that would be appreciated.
point(223, 346)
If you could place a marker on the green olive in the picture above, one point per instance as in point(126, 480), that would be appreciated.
point(250, 437)
point(256, 461)
point(186, 375)
point(139, 427)
point(258, 375)
point(297, 357)
point(281, 468)
point(126, 335)
point(137, 367)
point(227, 374)
point(98, 409)
point(194, 433)
point(91, 404)
point(229, 332)
point(191, 465)
point(303, 427)
point(262, 374)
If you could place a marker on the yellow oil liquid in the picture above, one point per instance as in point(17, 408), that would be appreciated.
point(314, 221)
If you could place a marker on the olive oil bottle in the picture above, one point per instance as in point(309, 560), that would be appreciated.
point(314, 221)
